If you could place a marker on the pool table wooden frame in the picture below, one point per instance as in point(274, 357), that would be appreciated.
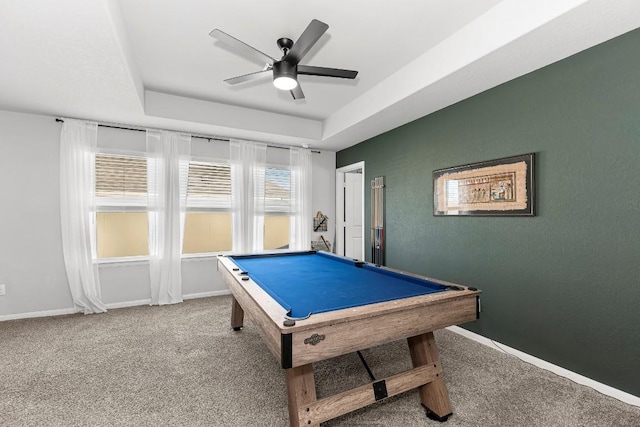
point(330, 334)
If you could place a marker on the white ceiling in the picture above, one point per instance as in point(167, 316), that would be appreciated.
point(152, 63)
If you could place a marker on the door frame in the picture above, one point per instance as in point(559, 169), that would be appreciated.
point(340, 172)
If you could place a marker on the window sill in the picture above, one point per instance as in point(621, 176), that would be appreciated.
point(133, 260)
point(202, 256)
point(107, 262)
point(145, 259)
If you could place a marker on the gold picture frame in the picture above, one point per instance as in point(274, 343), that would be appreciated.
point(501, 187)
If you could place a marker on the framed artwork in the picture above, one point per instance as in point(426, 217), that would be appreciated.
point(501, 187)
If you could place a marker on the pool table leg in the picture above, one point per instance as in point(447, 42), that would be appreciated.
point(301, 389)
point(237, 315)
point(433, 396)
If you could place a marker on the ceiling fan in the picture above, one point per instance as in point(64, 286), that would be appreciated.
point(286, 69)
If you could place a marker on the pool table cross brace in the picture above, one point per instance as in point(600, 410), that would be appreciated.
point(306, 410)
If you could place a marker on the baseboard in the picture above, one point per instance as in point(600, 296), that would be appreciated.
point(184, 297)
point(577, 378)
point(64, 311)
point(32, 314)
point(207, 294)
point(125, 304)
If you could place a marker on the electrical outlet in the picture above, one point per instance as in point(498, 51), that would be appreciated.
point(2, 291)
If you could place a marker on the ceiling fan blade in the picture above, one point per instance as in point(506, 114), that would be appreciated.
point(310, 70)
point(241, 47)
point(246, 77)
point(297, 92)
point(307, 39)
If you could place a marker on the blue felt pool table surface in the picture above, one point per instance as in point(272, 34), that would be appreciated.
point(308, 282)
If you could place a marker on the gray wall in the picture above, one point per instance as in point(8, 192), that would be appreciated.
point(31, 263)
point(565, 285)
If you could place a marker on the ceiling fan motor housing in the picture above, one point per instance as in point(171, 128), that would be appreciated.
point(284, 69)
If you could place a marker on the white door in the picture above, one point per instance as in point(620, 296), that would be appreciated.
point(353, 206)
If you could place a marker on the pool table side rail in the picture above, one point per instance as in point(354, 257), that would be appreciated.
point(246, 293)
point(343, 337)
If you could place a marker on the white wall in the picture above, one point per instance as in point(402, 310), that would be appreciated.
point(31, 263)
point(324, 192)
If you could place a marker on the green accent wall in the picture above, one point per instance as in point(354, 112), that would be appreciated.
point(564, 285)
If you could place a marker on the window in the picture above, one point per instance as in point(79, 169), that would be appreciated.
point(277, 203)
point(121, 203)
point(121, 206)
point(209, 222)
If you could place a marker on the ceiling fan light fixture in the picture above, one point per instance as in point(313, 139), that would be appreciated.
point(284, 75)
point(285, 83)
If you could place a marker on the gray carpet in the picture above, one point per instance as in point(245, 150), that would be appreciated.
point(181, 365)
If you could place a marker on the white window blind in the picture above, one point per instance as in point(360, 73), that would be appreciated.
point(277, 190)
point(121, 204)
point(209, 185)
point(209, 220)
point(121, 180)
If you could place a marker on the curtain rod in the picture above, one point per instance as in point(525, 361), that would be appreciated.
point(210, 138)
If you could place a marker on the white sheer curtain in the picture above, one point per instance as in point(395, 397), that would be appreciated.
point(78, 142)
point(167, 176)
point(248, 160)
point(301, 189)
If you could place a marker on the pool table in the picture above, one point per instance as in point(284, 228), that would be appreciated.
point(311, 306)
